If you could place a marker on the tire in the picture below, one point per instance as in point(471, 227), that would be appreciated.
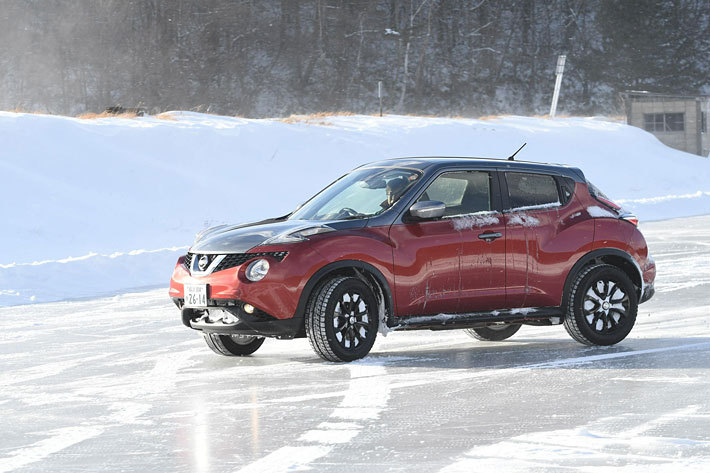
point(342, 319)
point(493, 333)
point(601, 306)
point(232, 345)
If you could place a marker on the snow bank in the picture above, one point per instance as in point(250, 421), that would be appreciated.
point(73, 188)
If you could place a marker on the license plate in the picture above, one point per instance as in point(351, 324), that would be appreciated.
point(195, 295)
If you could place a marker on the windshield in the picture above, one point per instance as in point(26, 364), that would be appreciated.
point(362, 193)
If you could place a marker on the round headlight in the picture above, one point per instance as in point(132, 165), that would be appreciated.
point(257, 270)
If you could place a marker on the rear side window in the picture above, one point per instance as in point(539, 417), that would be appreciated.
point(531, 190)
point(566, 189)
point(462, 192)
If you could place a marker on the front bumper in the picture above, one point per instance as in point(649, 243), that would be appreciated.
point(278, 294)
point(229, 318)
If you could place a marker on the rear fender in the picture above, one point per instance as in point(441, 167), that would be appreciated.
point(613, 256)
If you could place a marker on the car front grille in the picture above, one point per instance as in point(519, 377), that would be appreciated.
point(235, 259)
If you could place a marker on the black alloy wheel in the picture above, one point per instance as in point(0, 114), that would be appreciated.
point(232, 345)
point(350, 320)
point(342, 319)
point(606, 306)
point(493, 332)
point(602, 306)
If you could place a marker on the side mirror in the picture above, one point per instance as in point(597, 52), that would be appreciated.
point(427, 209)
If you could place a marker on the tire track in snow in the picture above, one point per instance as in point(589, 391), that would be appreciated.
point(115, 394)
point(57, 441)
point(593, 447)
point(363, 401)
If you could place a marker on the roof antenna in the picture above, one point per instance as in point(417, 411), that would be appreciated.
point(512, 156)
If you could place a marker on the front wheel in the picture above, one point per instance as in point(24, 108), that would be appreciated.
point(232, 345)
point(601, 306)
point(342, 319)
point(493, 333)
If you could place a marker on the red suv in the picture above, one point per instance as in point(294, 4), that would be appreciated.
point(483, 245)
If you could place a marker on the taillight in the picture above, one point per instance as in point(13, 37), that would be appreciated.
point(632, 219)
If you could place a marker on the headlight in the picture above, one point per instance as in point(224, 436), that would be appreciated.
point(299, 234)
point(257, 270)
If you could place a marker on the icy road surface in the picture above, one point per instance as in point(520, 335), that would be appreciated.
point(119, 384)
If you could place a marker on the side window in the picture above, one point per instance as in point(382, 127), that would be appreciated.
point(529, 190)
point(566, 189)
point(463, 192)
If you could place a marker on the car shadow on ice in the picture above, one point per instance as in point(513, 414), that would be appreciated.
point(647, 353)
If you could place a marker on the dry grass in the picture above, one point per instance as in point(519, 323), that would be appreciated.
point(21, 110)
point(92, 116)
point(558, 115)
point(314, 118)
point(490, 117)
point(166, 116)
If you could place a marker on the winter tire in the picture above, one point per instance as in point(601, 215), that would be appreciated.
point(493, 333)
point(342, 319)
point(601, 306)
point(232, 345)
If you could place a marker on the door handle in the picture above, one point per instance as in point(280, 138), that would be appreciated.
point(490, 236)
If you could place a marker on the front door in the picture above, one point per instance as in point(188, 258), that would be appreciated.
point(456, 263)
point(426, 267)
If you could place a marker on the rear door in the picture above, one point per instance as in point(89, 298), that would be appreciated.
point(541, 237)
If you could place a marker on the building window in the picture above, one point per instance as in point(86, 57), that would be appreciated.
point(664, 121)
point(703, 122)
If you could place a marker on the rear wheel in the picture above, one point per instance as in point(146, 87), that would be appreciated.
point(342, 319)
point(601, 306)
point(493, 333)
point(232, 345)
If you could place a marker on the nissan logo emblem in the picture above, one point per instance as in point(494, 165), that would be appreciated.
point(203, 262)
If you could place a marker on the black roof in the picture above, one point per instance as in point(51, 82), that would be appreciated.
point(435, 163)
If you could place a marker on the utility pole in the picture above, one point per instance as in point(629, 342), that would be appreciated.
point(558, 82)
point(379, 94)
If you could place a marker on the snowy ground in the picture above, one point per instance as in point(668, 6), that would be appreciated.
point(119, 384)
point(91, 207)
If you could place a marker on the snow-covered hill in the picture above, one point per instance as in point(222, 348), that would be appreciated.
point(95, 206)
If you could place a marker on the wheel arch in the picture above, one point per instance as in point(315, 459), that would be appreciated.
point(612, 256)
point(355, 268)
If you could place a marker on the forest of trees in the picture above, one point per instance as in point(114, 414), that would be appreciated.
point(260, 58)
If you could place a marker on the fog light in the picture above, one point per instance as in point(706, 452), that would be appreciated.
point(248, 308)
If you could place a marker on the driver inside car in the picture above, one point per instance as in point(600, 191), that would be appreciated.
point(395, 188)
